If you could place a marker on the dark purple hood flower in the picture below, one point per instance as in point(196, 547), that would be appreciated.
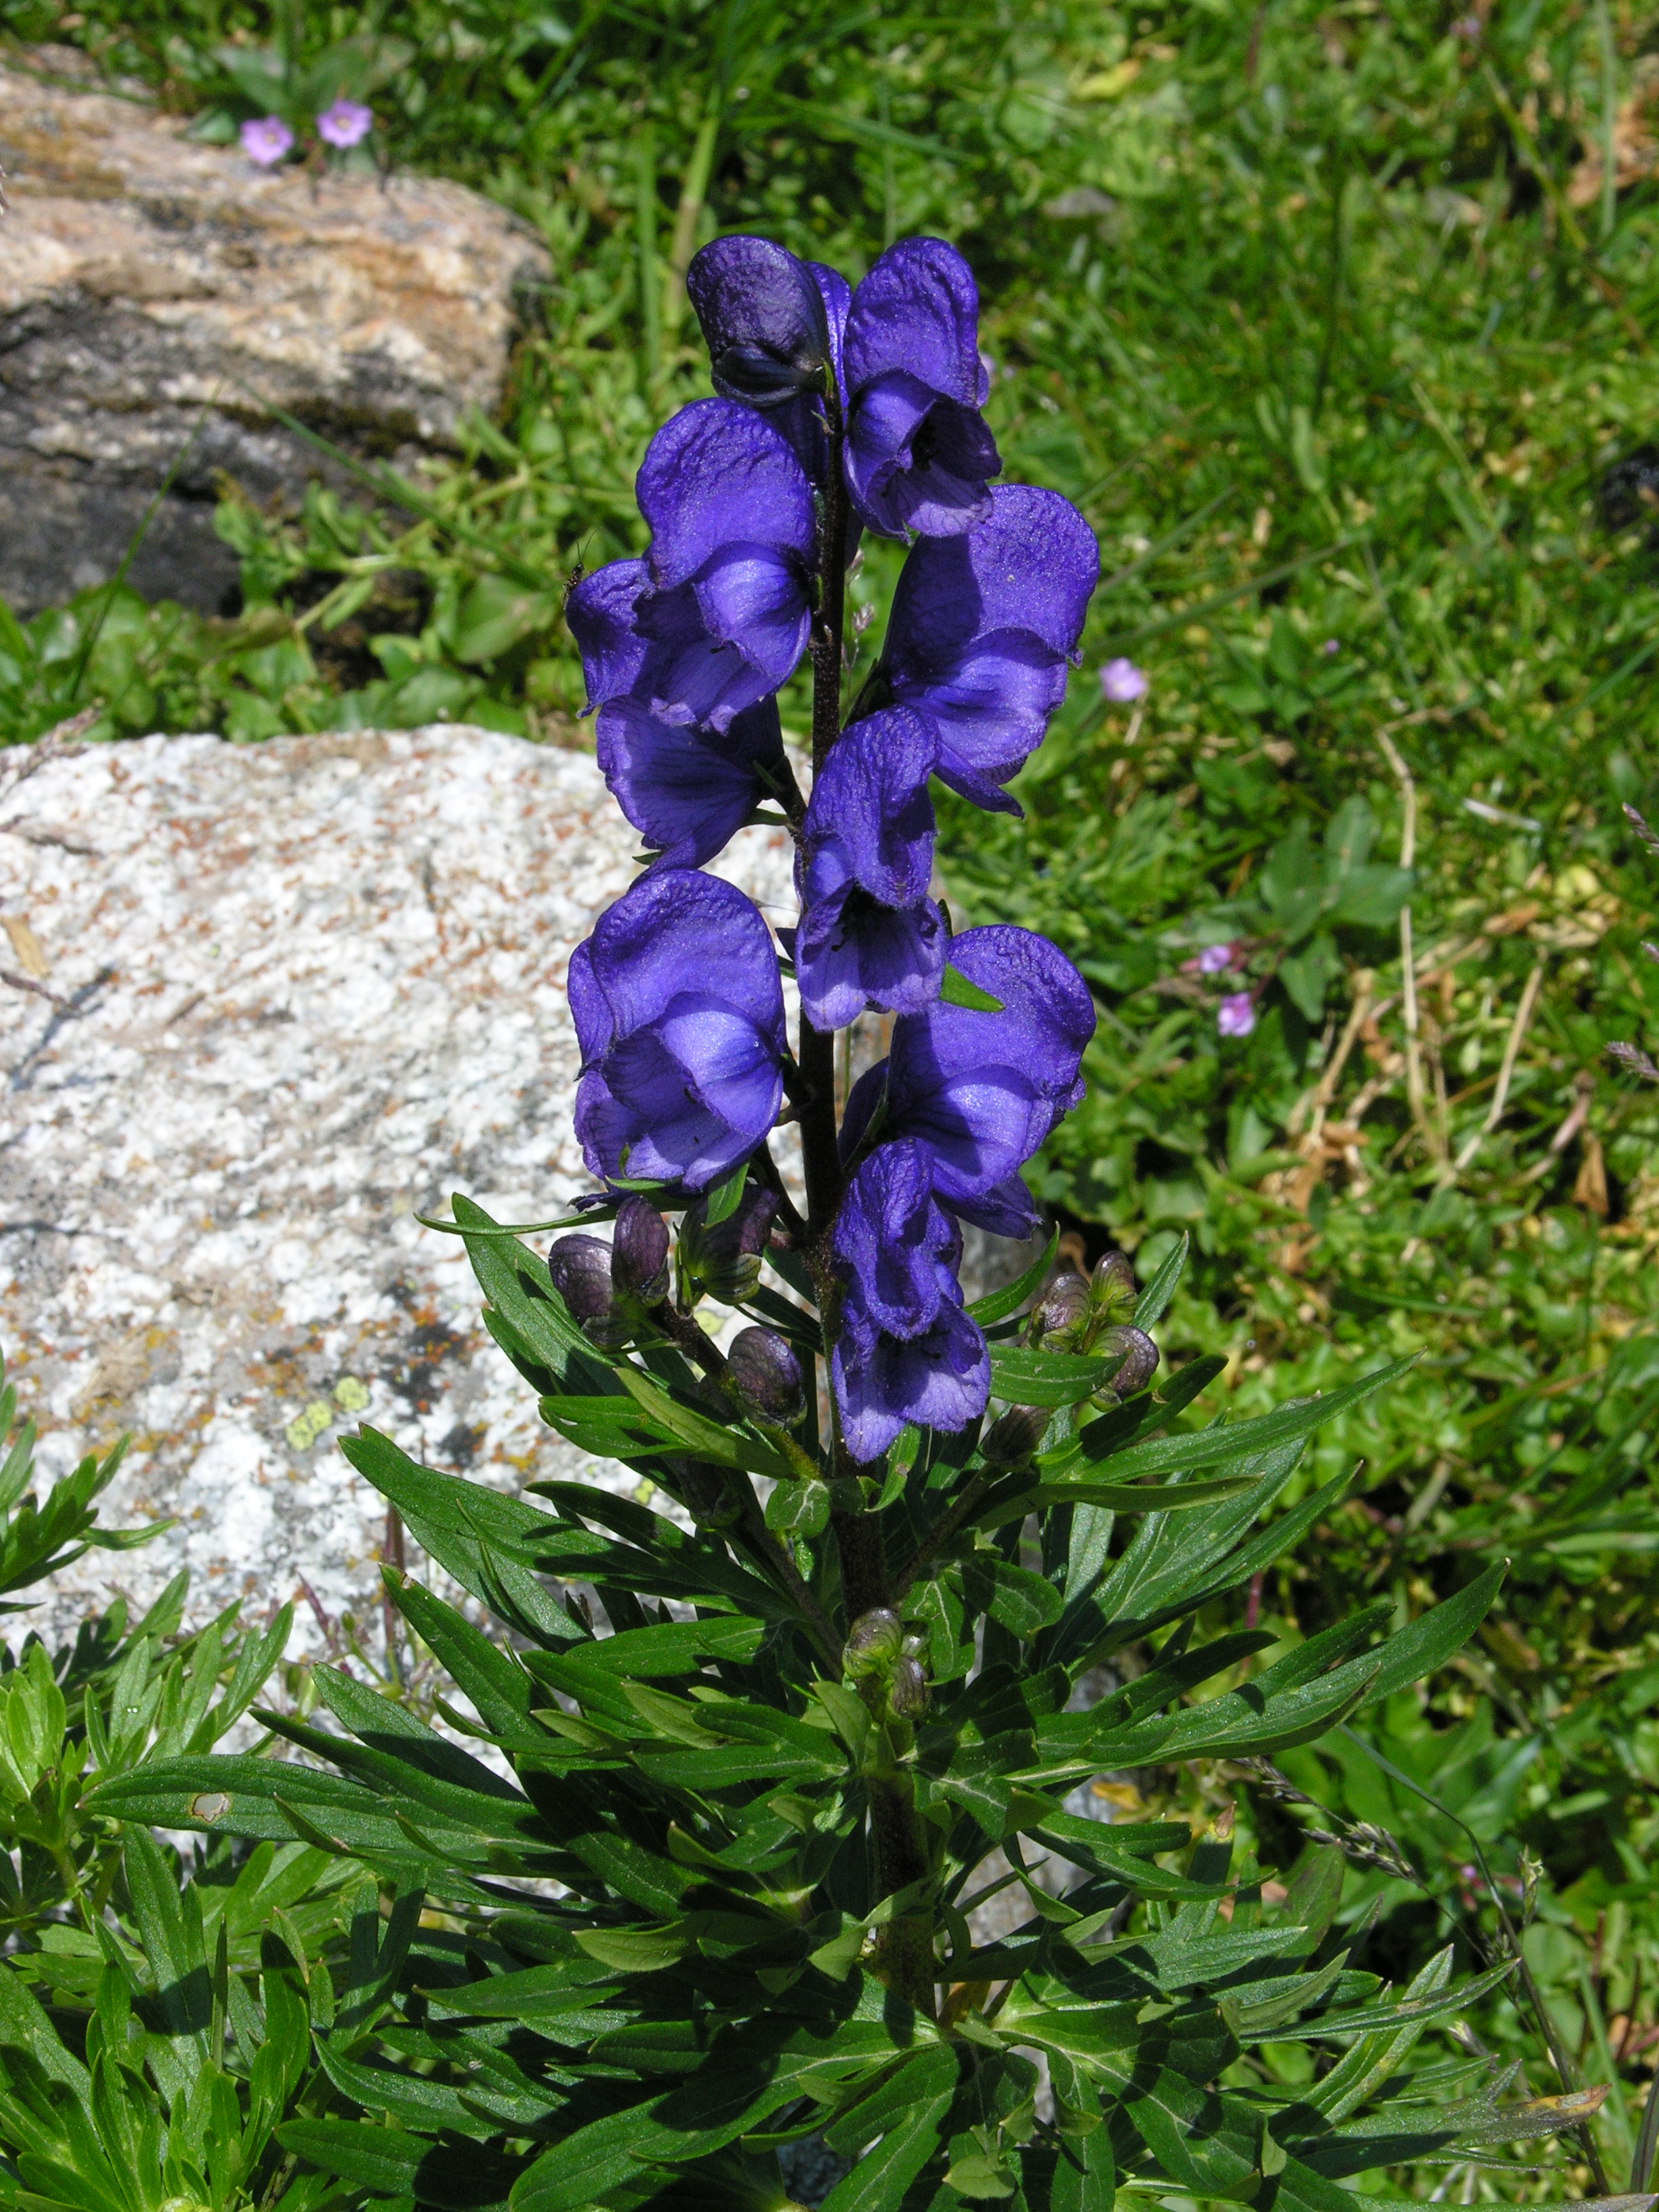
point(869, 935)
point(764, 320)
point(716, 617)
point(981, 1092)
point(908, 1351)
point(687, 792)
point(981, 633)
point(774, 326)
point(918, 453)
point(679, 1013)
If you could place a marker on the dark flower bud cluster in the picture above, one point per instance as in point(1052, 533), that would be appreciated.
point(1096, 1315)
point(835, 410)
point(877, 1651)
point(610, 1289)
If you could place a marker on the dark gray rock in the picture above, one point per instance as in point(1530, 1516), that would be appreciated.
point(157, 297)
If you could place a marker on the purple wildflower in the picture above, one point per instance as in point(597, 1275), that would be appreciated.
point(918, 454)
point(679, 1015)
point(1122, 682)
point(979, 1090)
point(1215, 959)
point(344, 122)
point(715, 617)
point(1235, 1015)
point(983, 630)
point(908, 1351)
point(870, 935)
point(266, 141)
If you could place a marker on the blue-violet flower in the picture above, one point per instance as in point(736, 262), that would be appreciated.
point(981, 633)
point(979, 1090)
point(908, 1351)
point(869, 934)
point(918, 451)
point(679, 1014)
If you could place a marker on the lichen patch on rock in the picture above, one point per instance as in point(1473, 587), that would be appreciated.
point(302, 991)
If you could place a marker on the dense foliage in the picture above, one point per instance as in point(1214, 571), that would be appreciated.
point(1336, 270)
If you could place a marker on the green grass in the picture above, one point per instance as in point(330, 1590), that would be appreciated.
point(1293, 302)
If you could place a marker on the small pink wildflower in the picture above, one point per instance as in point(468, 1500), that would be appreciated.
point(1235, 1015)
point(344, 123)
point(1331, 645)
point(266, 141)
point(1122, 682)
point(1214, 958)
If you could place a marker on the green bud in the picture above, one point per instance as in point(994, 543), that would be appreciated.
point(725, 1261)
point(1060, 1315)
point(874, 1642)
point(907, 1690)
point(1014, 1436)
point(1114, 1291)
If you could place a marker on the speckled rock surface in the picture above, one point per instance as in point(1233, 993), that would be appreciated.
point(142, 277)
point(305, 989)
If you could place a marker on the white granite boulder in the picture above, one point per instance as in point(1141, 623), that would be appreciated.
point(299, 992)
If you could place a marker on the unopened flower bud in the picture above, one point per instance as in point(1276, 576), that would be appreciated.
point(874, 1642)
point(639, 1252)
point(1112, 1288)
point(726, 1261)
point(1014, 1436)
point(579, 1268)
point(766, 1374)
point(1137, 1358)
point(1060, 1316)
point(907, 1689)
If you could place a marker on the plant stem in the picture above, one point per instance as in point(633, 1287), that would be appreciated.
point(817, 1055)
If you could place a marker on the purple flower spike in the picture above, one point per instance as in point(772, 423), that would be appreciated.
point(732, 531)
point(762, 317)
point(918, 454)
point(345, 122)
point(679, 1014)
point(983, 630)
point(907, 1352)
point(869, 936)
point(267, 140)
point(686, 791)
point(981, 1092)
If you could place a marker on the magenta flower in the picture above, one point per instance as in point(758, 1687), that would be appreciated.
point(1235, 1015)
point(1122, 682)
point(266, 141)
point(1214, 958)
point(344, 122)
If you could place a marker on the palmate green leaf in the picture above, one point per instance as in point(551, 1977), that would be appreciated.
point(1400, 2131)
point(1367, 2018)
point(1154, 1301)
point(1242, 1444)
point(454, 1521)
point(905, 2114)
point(387, 2162)
point(1023, 1376)
point(695, 1432)
point(749, 2073)
point(234, 1795)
